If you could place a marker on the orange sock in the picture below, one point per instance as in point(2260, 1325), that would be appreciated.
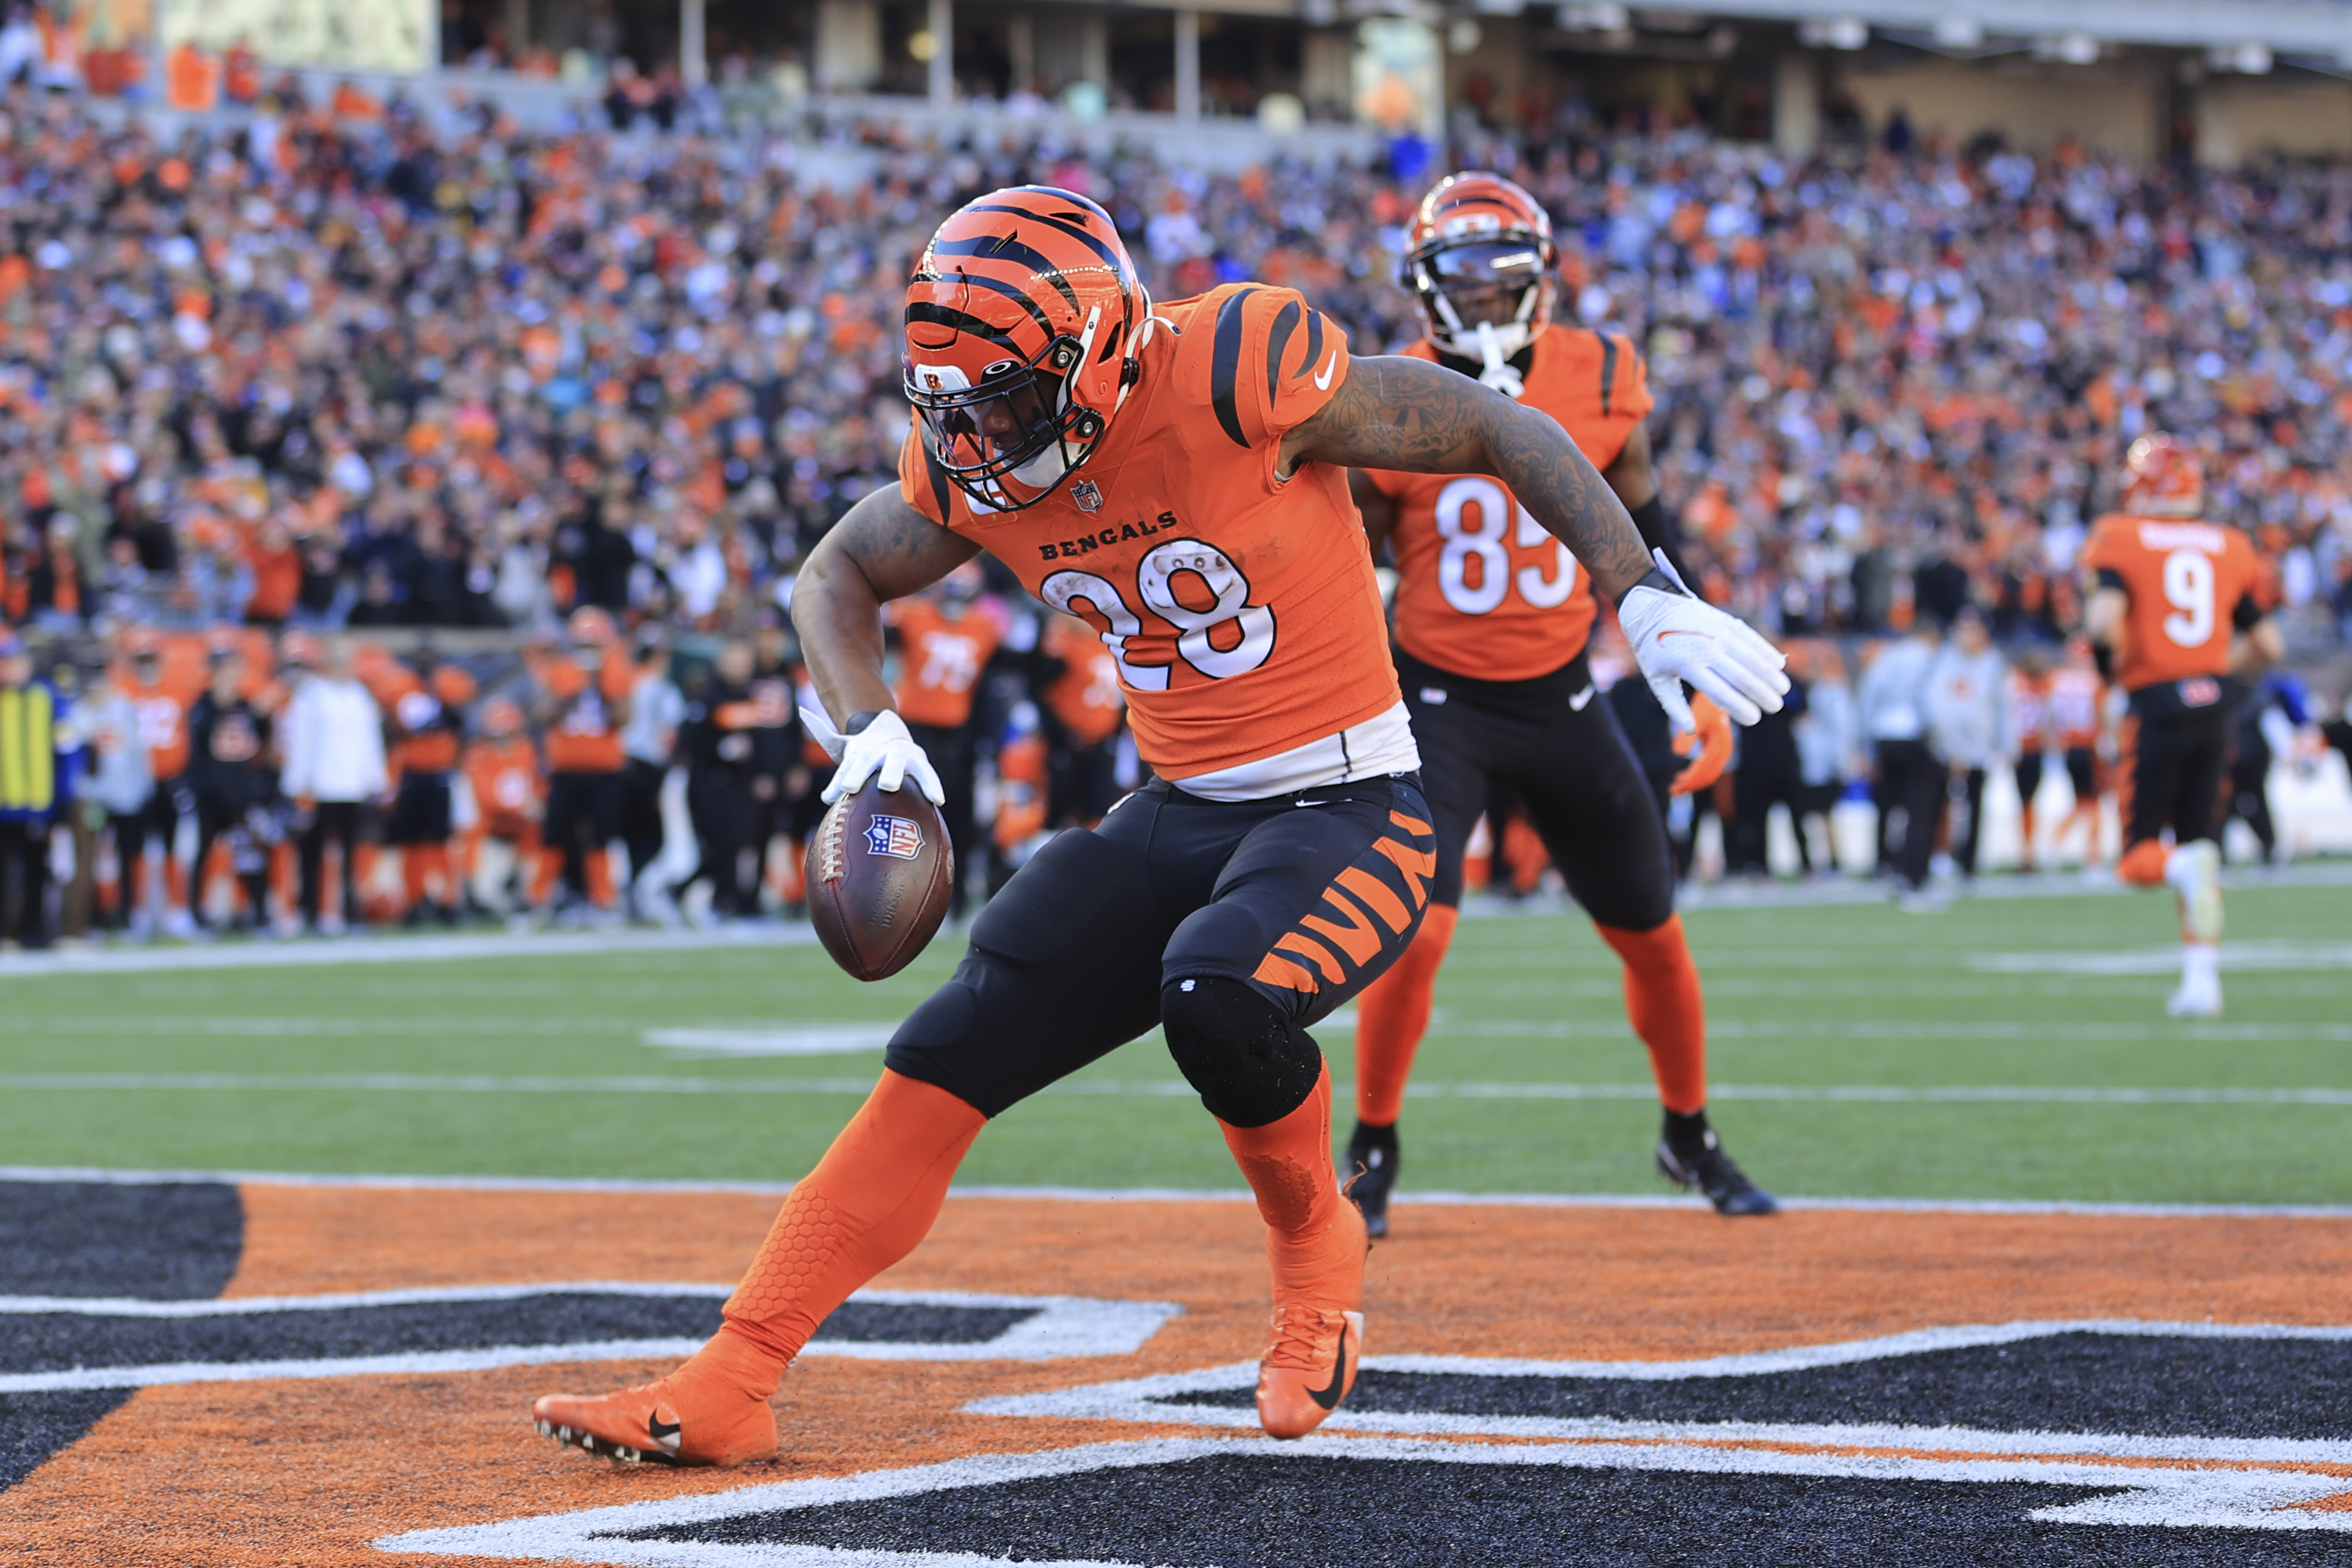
point(869, 1201)
point(2143, 864)
point(1663, 1004)
point(546, 866)
point(1392, 1014)
point(600, 878)
point(1288, 1165)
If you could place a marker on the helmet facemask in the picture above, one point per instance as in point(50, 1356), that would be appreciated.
point(1017, 422)
point(1483, 299)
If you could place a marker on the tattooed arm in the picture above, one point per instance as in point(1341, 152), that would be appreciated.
point(1417, 417)
point(881, 549)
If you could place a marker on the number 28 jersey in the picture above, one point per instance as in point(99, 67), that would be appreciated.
point(1483, 589)
point(2190, 587)
point(1241, 609)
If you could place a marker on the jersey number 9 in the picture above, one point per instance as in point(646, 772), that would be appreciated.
point(2189, 589)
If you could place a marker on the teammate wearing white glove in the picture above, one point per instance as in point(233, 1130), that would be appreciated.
point(875, 746)
point(1678, 637)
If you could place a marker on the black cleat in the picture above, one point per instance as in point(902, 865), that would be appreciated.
point(1711, 1171)
point(1372, 1162)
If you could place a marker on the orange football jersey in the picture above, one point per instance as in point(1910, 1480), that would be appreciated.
point(508, 789)
point(939, 662)
point(2190, 585)
point(2026, 697)
point(2074, 706)
point(1085, 696)
point(1483, 589)
point(585, 737)
point(163, 710)
point(1241, 608)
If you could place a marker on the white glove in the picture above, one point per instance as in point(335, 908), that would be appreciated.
point(882, 749)
point(1678, 636)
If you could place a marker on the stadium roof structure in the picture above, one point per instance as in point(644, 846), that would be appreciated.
point(2242, 34)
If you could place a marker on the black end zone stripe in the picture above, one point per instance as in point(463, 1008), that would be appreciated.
point(1314, 343)
point(1003, 247)
point(1285, 323)
point(1224, 364)
point(1608, 373)
point(956, 320)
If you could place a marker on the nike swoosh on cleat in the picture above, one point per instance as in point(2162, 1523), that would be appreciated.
point(1323, 382)
point(1575, 703)
point(665, 1433)
point(1329, 1398)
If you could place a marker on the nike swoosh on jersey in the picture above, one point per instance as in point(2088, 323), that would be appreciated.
point(1575, 703)
point(1323, 382)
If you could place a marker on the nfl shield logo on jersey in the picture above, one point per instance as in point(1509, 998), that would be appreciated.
point(894, 836)
point(1088, 496)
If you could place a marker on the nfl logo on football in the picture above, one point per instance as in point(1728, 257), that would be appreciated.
point(894, 836)
point(1088, 496)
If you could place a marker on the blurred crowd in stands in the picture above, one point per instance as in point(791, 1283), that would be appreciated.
point(324, 372)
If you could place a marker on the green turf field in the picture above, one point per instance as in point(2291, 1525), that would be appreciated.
point(530, 1066)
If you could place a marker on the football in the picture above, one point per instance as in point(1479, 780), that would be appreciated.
point(879, 868)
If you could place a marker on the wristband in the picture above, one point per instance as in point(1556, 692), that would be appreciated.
point(858, 721)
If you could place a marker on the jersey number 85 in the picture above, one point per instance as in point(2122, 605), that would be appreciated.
point(1485, 544)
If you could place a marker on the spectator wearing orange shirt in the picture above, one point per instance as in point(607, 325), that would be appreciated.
point(945, 642)
point(583, 706)
point(276, 563)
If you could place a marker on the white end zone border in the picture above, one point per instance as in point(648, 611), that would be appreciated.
point(1154, 1399)
point(2178, 1499)
point(1060, 1327)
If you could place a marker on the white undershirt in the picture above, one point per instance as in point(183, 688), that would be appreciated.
point(1379, 746)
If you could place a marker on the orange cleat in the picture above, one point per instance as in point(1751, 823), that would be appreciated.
point(695, 1415)
point(1318, 1334)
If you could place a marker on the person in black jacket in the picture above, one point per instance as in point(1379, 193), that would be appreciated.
point(728, 731)
point(235, 786)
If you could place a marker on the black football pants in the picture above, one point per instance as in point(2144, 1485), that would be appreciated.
point(1276, 911)
point(1556, 743)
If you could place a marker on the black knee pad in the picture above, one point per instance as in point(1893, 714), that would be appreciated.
point(1251, 1064)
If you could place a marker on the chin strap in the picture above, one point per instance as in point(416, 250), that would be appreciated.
point(1498, 372)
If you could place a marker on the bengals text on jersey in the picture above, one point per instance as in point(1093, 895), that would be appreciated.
point(1483, 589)
point(1240, 608)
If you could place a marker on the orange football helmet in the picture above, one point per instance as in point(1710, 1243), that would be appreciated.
point(1478, 260)
point(1023, 318)
point(2163, 479)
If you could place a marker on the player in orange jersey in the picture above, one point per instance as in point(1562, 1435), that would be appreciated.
point(425, 714)
point(1177, 475)
point(2076, 694)
point(1082, 709)
point(945, 641)
point(509, 794)
point(583, 702)
point(1492, 617)
point(163, 682)
point(2025, 725)
point(2173, 601)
